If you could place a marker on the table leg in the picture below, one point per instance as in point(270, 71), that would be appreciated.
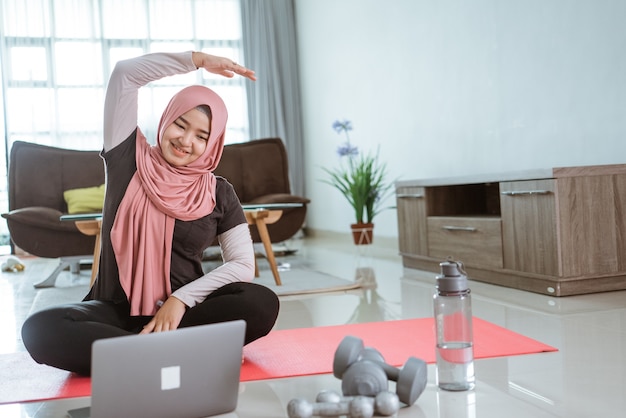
point(96, 260)
point(269, 252)
point(92, 227)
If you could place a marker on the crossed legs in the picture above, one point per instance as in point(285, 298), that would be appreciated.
point(62, 336)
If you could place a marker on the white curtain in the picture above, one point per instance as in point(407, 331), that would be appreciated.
point(269, 45)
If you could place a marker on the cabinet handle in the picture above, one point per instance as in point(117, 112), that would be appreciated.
point(409, 196)
point(458, 228)
point(525, 192)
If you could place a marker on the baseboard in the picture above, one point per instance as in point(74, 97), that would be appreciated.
point(536, 283)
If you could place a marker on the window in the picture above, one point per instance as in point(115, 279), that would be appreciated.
point(57, 55)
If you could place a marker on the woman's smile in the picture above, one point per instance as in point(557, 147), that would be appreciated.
point(179, 149)
point(185, 139)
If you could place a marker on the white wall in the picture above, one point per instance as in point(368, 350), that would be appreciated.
point(458, 87)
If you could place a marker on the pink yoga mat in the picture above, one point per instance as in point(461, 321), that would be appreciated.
point(283, 353)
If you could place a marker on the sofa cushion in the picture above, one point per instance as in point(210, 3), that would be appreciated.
point(278, 198)
point(41, 217)
point(84, 200)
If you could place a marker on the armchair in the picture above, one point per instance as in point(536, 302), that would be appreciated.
point(38, 176)
point(259, 172)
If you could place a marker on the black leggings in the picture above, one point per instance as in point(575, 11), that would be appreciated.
point(62, 336)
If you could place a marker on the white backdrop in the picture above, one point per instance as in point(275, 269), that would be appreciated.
point(456, 87)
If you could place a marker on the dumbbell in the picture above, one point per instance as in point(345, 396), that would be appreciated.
point(362, 369)
point(358, 407)
point(385, 403)
point(366, 378)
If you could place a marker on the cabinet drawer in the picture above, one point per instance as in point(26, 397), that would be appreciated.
point(474, 241)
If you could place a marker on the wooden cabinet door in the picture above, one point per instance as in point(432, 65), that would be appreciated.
point(529, 227)
point(412, 226)
point(592, 216)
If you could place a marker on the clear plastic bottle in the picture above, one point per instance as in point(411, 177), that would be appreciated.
point(453, 323)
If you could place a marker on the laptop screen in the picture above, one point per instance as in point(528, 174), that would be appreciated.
point(189, 372)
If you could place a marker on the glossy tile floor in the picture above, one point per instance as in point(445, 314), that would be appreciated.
point(585, 378)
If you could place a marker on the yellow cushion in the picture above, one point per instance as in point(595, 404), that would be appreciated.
point(88, 199)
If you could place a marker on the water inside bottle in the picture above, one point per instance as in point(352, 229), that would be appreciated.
point(455, 366)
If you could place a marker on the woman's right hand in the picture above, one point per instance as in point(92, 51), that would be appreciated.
point(167, 318)
point(221, 65)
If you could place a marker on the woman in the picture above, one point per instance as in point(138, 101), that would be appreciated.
point(163, 207)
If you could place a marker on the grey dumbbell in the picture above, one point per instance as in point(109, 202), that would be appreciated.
point(364, 378)
point(359, 407)
point(385, 403)
point(351, 350)
point(360, 370)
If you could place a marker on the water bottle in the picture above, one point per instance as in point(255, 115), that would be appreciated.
point(453, 324)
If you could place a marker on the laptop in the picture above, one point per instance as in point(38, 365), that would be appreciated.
point(190, 372)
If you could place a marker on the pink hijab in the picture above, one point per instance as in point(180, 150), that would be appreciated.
point(157, 195)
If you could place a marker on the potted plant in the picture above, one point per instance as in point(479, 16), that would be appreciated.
point(361, 178)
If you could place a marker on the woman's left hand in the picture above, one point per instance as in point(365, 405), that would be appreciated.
point(167, 317)
point(220, 65)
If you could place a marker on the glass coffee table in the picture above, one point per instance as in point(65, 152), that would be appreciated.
point(262, 215)
point(259, 215)
point(89, 224)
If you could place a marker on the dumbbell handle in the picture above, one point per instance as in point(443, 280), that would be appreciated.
point(300, 408)
point(330, 408)
point(385, 403)
point(393, 373)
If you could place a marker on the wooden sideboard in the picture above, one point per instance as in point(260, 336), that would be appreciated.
point(558, 232)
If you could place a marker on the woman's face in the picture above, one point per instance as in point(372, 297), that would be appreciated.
point(184, 141)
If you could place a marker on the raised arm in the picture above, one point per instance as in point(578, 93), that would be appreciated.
point(120, 105)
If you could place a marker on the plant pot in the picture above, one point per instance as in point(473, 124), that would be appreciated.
point(362, 233)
